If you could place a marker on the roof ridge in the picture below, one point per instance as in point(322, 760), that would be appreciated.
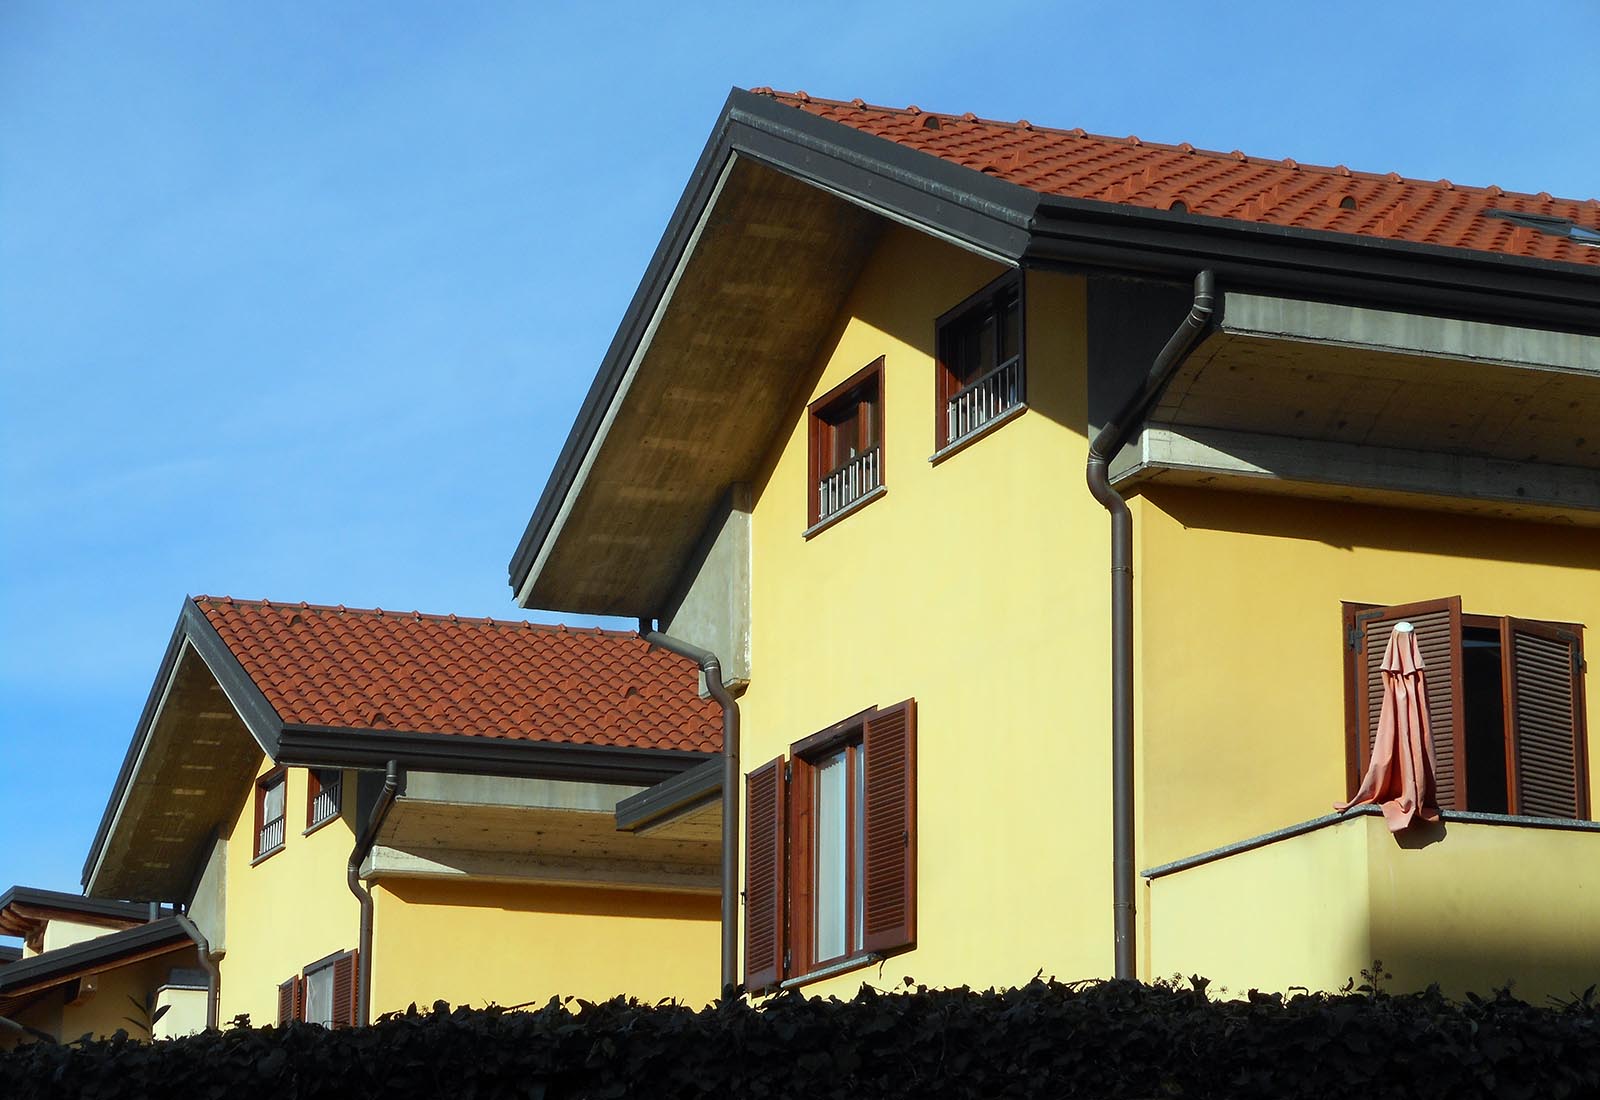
point(443, 617)
point(1133, 141)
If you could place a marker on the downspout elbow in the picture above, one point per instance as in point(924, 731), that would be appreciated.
point(712, 668)
point(209, 962)
point(364, 842)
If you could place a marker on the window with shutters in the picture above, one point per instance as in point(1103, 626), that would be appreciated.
point(324, 790)
point(845, 447)
point(830, 877)
point(980, 376)
point(271, 792)
point(1505, 705)
point(325, 993)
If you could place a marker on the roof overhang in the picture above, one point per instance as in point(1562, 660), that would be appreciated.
point(1341, 402)
point(205, 728)
point(30, 976)
point(711, 349)
point(25, 912)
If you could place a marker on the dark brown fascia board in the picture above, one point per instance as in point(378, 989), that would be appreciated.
point(685, 791)
point(1022, 226)
point(67, 962)
point(1373, 271)
point(323, 746)
point(980, 211)
point(319, 746)
point(74, 903)
point(257, 714)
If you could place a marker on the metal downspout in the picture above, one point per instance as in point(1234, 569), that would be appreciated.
point(352, 877)
point(712, 668)
point(207, 960)
point(1104, 447)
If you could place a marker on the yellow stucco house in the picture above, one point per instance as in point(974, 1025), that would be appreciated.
point(91, 967)
point(349, 811)
point(1038, 505)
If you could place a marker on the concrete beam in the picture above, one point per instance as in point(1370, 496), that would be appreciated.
point(1410, 333)
point(1191, 455)
point(523, 867)
point(538, 794)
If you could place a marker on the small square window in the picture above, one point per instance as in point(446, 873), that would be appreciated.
point(980, 374)
point(323, 789)
point(270, 805)
point(846, 446)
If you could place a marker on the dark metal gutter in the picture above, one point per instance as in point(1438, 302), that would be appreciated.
point(367, 749)
point(352, 878)
point(1373, 271)
point(75, 903)
point(65, 962)
point(1110, 439)
point(711, 667)
point(686, 791)
point(207, 960)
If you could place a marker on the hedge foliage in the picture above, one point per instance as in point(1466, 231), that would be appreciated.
point(1046, 1039)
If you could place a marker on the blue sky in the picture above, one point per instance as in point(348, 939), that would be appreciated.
point(298, 300)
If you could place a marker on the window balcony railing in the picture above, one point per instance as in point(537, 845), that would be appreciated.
point(270, 837)
point(849, 483)
point(984, 399)
point(326, 802)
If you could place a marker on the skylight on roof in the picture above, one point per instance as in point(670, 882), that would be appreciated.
point(1549, 224)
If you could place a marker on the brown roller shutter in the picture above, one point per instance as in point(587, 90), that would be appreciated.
point(1438, 627)
point(764, 876)
point(890, 809)
point(344, 990)
point(1544, 719)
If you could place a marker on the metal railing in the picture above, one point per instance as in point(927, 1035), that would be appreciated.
point(849, 483)
point(983, 399)
point(270, 836)
point(326, 802)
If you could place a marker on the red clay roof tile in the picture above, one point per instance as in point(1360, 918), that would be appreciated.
point(1074, 164)
point(352, 668)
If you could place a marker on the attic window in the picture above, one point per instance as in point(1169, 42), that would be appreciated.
point(1347, 203)
point(846, 446)
point(1550, 225)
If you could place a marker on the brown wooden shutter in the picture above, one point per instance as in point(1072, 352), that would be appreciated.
point(286, 1001)
point(1544, 719)
point(890, 808)
point(345, 977)
point(1438, 627)
point(801, 877)
point(764, 872)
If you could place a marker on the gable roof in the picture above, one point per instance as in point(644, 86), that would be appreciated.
point(317, 686)
point(28, 976)
point(371, 670)
point(683, 406)
point(1181, 178)
point(25, 910)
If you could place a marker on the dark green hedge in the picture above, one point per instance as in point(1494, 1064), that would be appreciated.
point(1047, 1039)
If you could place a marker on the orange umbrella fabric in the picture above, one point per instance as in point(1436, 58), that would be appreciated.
point(1399, 779)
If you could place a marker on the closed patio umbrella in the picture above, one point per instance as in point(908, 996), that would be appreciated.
point(1399, 779)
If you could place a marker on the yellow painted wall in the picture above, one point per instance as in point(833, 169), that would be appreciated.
point(1241, 699)
point(60, 933)
point(1482, 905)
point(289, 910)
point(481, 943)
point(107, 1009)
point(977, 586)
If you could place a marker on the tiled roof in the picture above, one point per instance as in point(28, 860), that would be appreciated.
point(1132, 172)
point(358, 669)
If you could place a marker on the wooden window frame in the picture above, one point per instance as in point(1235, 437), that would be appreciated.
point(786, 881)
point(1356, 754)
point(946, 383)
point(344, 971)
point(313, 789)
point(264, 782)
point(819, 439)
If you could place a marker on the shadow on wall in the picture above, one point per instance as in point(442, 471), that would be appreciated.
point(1352, 526)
